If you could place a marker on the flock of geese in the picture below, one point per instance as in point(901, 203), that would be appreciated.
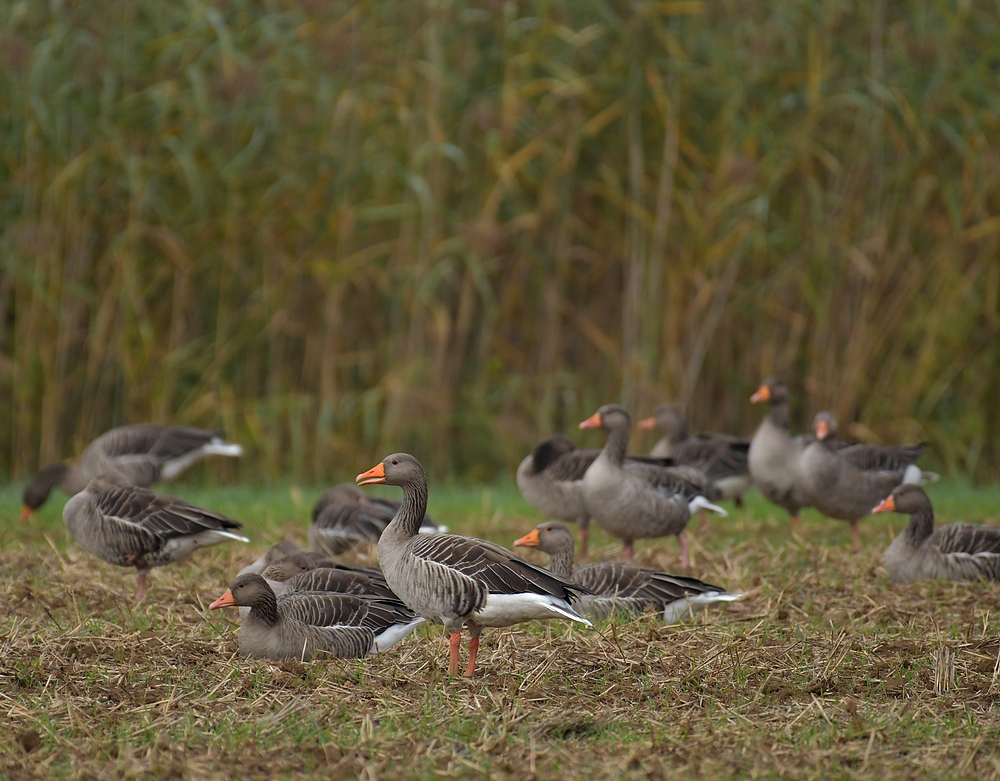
point(302, 604)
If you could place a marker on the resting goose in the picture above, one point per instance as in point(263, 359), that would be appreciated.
point(642, 500)
point(845, 481)
point(459, 581)
point(955, 551)
point(136, 455)
point(304, 625)
point(136, 527)
point(343, 517)
point(723, 458)
point(774, 454)
point(617, 587)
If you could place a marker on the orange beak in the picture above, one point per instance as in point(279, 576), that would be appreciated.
point(763, 393)
point(888, 505)
point(594, 421)
point(647, 424)
point(226, 600)
point(529, 540)
point(822, 429)
point(26, 513)
point(374, 475)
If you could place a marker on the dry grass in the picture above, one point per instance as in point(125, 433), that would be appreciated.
point(824, 670)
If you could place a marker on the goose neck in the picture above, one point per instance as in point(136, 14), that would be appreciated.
point(617, 445)
point(265, 609)
point(921, 525)
point(561, 562)
point(780, 415)
point(411, 512)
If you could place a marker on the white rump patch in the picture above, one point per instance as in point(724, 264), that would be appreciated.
point(387, 639)
point(680, 608)
point(701, 503)
point(510, 609)
point(216, 447)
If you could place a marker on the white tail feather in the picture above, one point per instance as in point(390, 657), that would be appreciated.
point(701, 503)
point(679, 608)
point(219, 448)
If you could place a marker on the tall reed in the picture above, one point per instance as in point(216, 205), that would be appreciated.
point(344, 228)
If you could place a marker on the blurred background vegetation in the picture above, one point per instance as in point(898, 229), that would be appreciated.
point(343, 228)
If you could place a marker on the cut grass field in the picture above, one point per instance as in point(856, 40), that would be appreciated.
point(825, 669)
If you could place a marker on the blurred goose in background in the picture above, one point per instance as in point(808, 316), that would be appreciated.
point(845, 481)
point(642, 500)
point(774, 454)
point(306, 625)
point(956, 551)
point(134, 455)
point(617, 587)
point(135, 527)
point(460, 581)
point(723, 458)
point(344, 517)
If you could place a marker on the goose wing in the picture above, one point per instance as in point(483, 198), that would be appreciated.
point(492, 565)
point(163, 516)
point(340, 581)
point(630, 581)
point(684, 480)
point(717, 455)
point(881, 458)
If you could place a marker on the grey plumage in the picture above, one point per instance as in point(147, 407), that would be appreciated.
point(136, 527)
point(306, 625)
point(618, 588)
point(344, 517)
point(957, 551)
point(640, 500)
point(459, 581)
point(137, 455)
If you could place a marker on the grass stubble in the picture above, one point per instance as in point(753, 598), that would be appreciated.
point(825, 669)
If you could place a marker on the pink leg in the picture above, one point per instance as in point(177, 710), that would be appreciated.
point(796, 522)
point(473, 650)
point(855, 537)
point(685, 560)
point(455, 640)
point(140, 590)
point(584, 538)
point(629, 553)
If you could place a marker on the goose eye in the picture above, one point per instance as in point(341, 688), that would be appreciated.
point(395, 462)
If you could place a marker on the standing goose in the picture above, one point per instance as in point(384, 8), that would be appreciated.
point(459, 581)
point(723, 458)
point(135, 455)
point(304, 625)
point(642, 500)
point(955, 551)
point(136, 527)
point(845, 481)
point(618, 587)
point(344, 517)
point(774, 454)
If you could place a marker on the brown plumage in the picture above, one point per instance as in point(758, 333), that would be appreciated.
point(845, 481)
point(621, 588)
point(136, 527)
point(344, 517)
point(640, 500)
point(304, 625)
point(956, 551)
point(723, 458)
point(459, 581)
point(132, 455)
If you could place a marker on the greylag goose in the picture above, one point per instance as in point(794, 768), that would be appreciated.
point(617, 587)
point(288, 548)
point(723, 458)
point(343, 517)
point(304, 625)
point(774, 454)
point(136, 527)
point(955, 551)
point(642, 500)
point(459, 581)
point(135, 455)
point(845, 481)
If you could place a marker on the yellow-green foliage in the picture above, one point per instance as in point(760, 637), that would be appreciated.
point(338, 228)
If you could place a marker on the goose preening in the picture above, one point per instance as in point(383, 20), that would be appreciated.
point(344, 517)
point(955, 551)
point(135, 455)
point(304, 625)
point(774, 454)
point(642, 500)
point(617, 587)
point(845, 481)
point(135, 527)
point(460, 581)
point(722, 457)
